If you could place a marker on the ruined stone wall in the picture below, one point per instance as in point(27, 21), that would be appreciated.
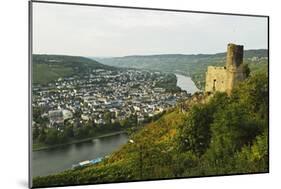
point(216, 79)
point(235, 76)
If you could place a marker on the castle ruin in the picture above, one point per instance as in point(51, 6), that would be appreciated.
point(223, 79)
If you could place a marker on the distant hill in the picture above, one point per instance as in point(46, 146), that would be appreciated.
point(48, 68)
point(194, 65)
point(170, 60)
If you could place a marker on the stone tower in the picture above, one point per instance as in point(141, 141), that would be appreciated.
point(234, 66)
point(223, 79)
point(234, 56)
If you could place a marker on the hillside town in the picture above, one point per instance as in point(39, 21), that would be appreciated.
point(105, 96)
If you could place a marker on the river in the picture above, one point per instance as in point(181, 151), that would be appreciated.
point(55, 160)
point(185, 83)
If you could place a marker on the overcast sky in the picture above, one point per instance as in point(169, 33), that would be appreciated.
point(100, 31)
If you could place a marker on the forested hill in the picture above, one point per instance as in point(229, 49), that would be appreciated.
point(192, 65)
point(171, 60)
point(46, 68)
point(204, 136)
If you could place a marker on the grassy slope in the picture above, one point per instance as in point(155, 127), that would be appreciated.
point(47, 68)
point(44, 73)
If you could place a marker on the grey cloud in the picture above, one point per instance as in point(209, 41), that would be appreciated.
point(99, 31)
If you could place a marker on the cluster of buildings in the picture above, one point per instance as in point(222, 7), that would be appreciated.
point(105, 96)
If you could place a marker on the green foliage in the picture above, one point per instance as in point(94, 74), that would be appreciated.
point(47, 68)
point(42, 136)
point(232, 129)
point(253, 94)
point(194, 134)
point(35, 132)
point(44, 73)
point(239, 131)
point(169, 83)
point(247, 70)
point(253, 158)
point(237, 127)
point(52, 137)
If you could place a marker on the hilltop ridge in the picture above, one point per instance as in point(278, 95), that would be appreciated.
point(48, 68)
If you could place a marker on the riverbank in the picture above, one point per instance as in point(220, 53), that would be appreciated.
point(45, 147)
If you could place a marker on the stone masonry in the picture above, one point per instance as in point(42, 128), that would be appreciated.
point(223, 79)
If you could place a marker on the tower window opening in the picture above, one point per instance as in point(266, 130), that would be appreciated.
point(214, 85)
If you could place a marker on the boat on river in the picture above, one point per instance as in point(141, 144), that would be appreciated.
point(87, 162)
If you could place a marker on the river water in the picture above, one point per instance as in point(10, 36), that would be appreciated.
point(55, 160)
point(185, 83)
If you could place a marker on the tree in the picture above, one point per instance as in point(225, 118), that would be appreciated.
point(253, 158)
point(35, 132)
point(69, 131)
point(107, 118)
point(232, 129)
point(237, 126)
point(51, 137)
point(254, 94)
point(246, 70)
point(195, 134)
point(42, 135)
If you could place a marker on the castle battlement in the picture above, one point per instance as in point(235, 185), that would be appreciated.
point(223, 79)
point(216, 68)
